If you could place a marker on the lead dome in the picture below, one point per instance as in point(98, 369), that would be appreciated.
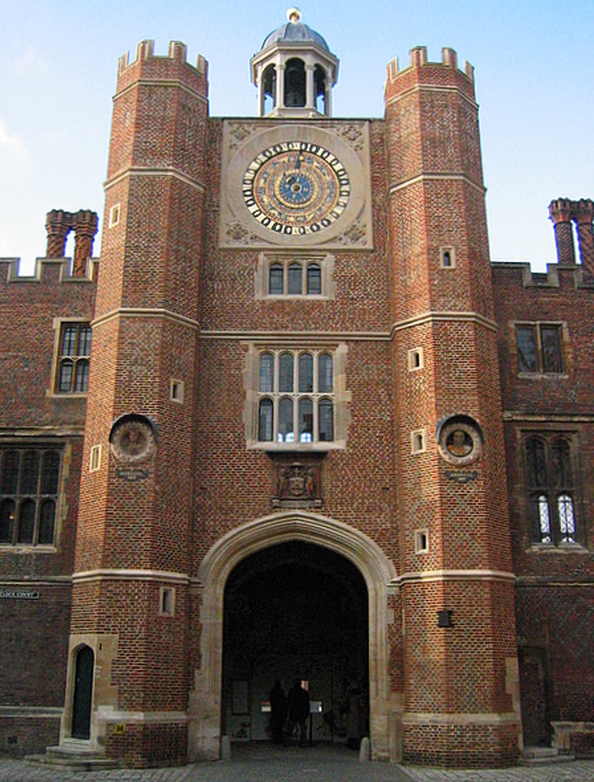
point(294, 31)
point(294, 71)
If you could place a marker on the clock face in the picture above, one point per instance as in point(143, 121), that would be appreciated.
point(296, 188)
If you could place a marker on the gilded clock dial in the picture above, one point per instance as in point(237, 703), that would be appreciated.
point(296, 188)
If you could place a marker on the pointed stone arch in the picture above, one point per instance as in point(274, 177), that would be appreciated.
point(376, 569)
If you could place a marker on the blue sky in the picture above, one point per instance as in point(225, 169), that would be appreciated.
point(533, 62)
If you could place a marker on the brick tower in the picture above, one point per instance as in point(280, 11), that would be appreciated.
point(132, 557)
point(460, 704)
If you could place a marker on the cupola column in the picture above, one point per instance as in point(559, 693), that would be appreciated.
point(309, 86)
point(328, 95)
point(280, 85)
point(261, 93)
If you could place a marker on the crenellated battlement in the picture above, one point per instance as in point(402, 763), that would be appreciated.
point(563, 212)
point(418, 59)
point(80, 268)
point(48, 271)
point(516, 270)
point(177, 53)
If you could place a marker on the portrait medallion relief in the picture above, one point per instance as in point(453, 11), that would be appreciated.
point(132, 440)
point(460, 442)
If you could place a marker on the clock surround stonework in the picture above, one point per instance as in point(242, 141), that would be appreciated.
point(245, 140)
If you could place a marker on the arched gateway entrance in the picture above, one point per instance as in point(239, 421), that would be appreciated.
point(296, 612)
point(329, 555)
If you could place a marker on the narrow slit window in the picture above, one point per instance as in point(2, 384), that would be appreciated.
point(314, 280)
point(325, 373)
point(7, 516)
point(326, 420)
point(275, 280)
point(295, 279)
point(306, 373)
point(551, 349)
point(47, 522)
point(286, 379)
point(265, 421)
point(305, 420)
point(26, 522)
point(418, 441)
point(285, 421)
point(266, 372)
point(566, 519)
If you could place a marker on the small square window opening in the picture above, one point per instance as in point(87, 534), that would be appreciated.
point(415, 359)
point(447, 257)
point(421, 541)
point(166, 601)
point(418, 441)
point(177, 391)
point(114, 215)
point(95, 458)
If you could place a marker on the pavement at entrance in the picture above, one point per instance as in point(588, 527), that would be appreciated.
point(267, 763)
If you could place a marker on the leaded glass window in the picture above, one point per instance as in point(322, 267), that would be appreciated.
point(551, 490)
point(296, 403)
point(29, 485)
point(72, 375)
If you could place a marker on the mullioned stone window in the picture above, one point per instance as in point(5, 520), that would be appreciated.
point(74, 351)
point(296, 398)
point(285, 276)
point(540, 348)
point(551, 484)
point(29, 481)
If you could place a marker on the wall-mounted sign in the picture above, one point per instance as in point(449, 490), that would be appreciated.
point(130, 474)
point(20, 594)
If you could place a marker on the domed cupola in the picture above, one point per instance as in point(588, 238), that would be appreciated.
point(294, 71)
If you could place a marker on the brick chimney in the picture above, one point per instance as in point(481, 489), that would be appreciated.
point(560, 212)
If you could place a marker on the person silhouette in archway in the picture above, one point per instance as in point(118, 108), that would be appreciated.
point(299, 710)
point(278, 712)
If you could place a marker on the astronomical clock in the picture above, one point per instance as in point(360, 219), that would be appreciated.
point(296, 185)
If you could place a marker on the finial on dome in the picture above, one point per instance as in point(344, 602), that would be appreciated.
point(293, 15)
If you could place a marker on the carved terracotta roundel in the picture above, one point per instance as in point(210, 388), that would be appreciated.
point(132, 440)
point(460, 443)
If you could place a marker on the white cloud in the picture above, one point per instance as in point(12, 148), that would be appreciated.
point(13, 149)
point(30, 65)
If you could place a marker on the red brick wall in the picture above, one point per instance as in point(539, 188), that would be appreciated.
point(146, 334)
point(34, 633)
point(436, 200)
point(554, 592)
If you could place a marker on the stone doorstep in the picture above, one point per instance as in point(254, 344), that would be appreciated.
point(541, 756)
point(74, 757)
